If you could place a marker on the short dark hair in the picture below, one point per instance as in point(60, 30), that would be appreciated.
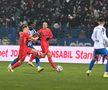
point(101, 19)
point(31, 22)
point(24, 26)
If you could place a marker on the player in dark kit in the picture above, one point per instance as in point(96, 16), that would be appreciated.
point(33, 32)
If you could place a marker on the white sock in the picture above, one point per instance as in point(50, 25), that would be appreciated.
point(38, 67)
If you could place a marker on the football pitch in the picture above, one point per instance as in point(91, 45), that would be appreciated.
point(73, 77)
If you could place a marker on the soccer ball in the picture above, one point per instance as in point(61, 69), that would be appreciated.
point(59, 68)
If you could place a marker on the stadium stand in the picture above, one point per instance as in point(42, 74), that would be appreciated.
point(67, 18)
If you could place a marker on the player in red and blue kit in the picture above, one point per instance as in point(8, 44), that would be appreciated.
point(24, 50)
point(32, 32)
point(45, 36)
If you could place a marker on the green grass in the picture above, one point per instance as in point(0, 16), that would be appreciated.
point(73, 77)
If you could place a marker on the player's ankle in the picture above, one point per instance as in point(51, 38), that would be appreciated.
point(38, 67)
point(106, 72)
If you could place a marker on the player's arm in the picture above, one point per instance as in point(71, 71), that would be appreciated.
point(93, 36)
point(39, 33)
point(36, 34)
point(104, 35)
point(33, 38)
point(50, 35)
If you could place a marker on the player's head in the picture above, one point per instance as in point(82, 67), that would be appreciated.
point(32, 24)
point(45, 25)
point(25, 28)
point(101, 21)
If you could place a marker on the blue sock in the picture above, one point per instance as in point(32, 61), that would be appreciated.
point(14, 61)
point(107, 66)
point(91, 64)
point(103, 59)
point(37, 61)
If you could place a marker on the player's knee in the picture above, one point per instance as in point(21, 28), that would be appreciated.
point(20, 61)
point(43, 55)
point(96, 58)
point(106, 57)
point(49, 55)
point(34, 51)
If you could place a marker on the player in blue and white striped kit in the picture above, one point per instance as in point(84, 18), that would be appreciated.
point(30, 44)
point(100, 39)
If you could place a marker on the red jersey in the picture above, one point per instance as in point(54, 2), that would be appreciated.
point(24, 38)
point(24, 49)
point(45, 33)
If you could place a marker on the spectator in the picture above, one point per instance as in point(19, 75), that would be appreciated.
point(67, 13)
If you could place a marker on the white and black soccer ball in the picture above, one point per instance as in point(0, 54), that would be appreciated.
point(59, 68)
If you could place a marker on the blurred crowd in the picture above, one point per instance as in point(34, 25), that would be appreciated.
point(60, 14)
point(68, 12)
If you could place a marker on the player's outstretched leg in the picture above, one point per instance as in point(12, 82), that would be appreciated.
point(39, 69)
point(31, 60)
point(17, 64)
point(51, 62)
point(13, 62)
point(36, 57)
point(103, 59)
point(106, 72)
point(88, 72)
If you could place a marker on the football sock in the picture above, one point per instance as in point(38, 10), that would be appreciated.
point(107, 66)
point(17, 64)
point(14, 61)
point(91, 64)
point(103, 59)
point(51, 62)
point(32, 57)
point(37, 61)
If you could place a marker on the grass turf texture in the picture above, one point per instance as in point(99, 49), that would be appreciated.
point(73, 77)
